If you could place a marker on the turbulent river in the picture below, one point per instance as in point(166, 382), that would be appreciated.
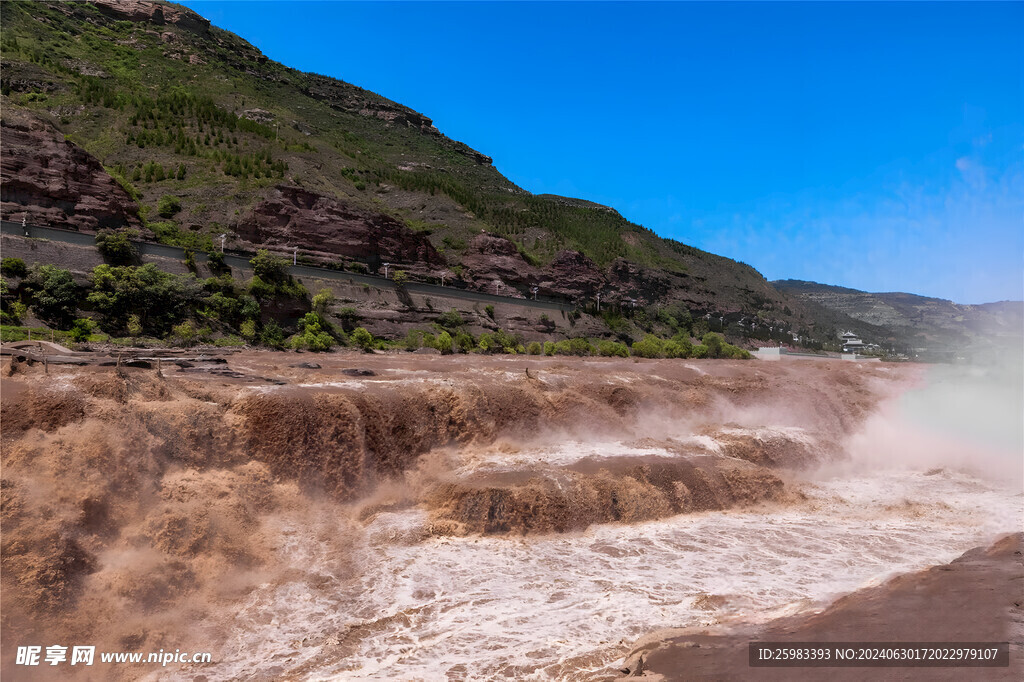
point(569, 606)
point(467, 518)
point(378, 599)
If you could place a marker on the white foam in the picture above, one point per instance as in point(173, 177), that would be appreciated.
point(794, 433)
point(566, 453)
point(487, 607)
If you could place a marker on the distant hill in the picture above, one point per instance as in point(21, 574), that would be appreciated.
point(917, 322)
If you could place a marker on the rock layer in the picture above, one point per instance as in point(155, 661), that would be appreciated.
point(332, 229)
point(51, 181)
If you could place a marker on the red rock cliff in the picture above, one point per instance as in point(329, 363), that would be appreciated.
point(56, 182)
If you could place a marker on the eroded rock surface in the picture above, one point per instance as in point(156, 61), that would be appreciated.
point(333, 229)
point(52, 181)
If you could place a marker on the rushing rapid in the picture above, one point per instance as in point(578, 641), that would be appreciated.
point(470, 518)
point(553, 607)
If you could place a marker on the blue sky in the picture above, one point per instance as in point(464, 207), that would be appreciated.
point(878, 146)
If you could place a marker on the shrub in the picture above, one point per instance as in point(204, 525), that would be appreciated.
point(215, 261)
point(168, 233)
point(228, 341)
point(13, 267)
point(451, 319)
point(509, 343)
point(549, 348)
point(577, 346)
point(534, 348)
point(250, 307)
point(272, 335)
point(225, 284)
point(715, 343)
point(454, 243)
point(247, 329)
point(613, 320)
point(13, 312)
point(362, 338)
point(348, 314)
point(134, 326)
point(413, 339)
point(489, 309)
point(735, 352)
point(54, 293)
point(487, 343)
point(118, 174)
point(311, 334)
point(683, 347)
point(82, 329)
point(444, 343)
point(168, 206)
point(184, 332)
point(269, 268)
point(260, 289)
point(649, 347)
point(117, 247)
point(610, 349)
point(323, 301)
point(222, 307)
point(400, 278)
point(673, 349)
point(499, 342)
point(160, 299)
point(700, 351)
point(465, 341)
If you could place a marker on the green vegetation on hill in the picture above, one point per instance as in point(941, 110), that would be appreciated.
point(140, 304)
point(198, 127)
point(203, 115)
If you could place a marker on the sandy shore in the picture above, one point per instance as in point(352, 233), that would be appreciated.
point(978, 597)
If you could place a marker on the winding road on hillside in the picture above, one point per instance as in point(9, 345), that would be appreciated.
point(240, 260)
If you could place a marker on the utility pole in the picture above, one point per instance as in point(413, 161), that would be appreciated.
point(599, 301)
point(442, 279)
point(497, 283)
point(223, 240)
point(295, 256)
point(386, 266)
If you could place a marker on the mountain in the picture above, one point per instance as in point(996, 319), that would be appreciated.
point(171, 105)
point(932, 326)
point(141, 114)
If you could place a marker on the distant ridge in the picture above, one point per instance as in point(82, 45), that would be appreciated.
point(920, 321)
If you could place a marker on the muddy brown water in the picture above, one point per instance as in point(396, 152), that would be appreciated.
point(445, 513)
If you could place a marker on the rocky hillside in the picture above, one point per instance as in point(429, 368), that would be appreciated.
point(140, 114)
point(931, 325)
point(51, 181)
point(169, 105)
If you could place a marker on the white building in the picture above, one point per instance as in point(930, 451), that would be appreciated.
point(851, 343)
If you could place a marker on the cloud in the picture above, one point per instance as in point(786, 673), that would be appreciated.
point(956, 235)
